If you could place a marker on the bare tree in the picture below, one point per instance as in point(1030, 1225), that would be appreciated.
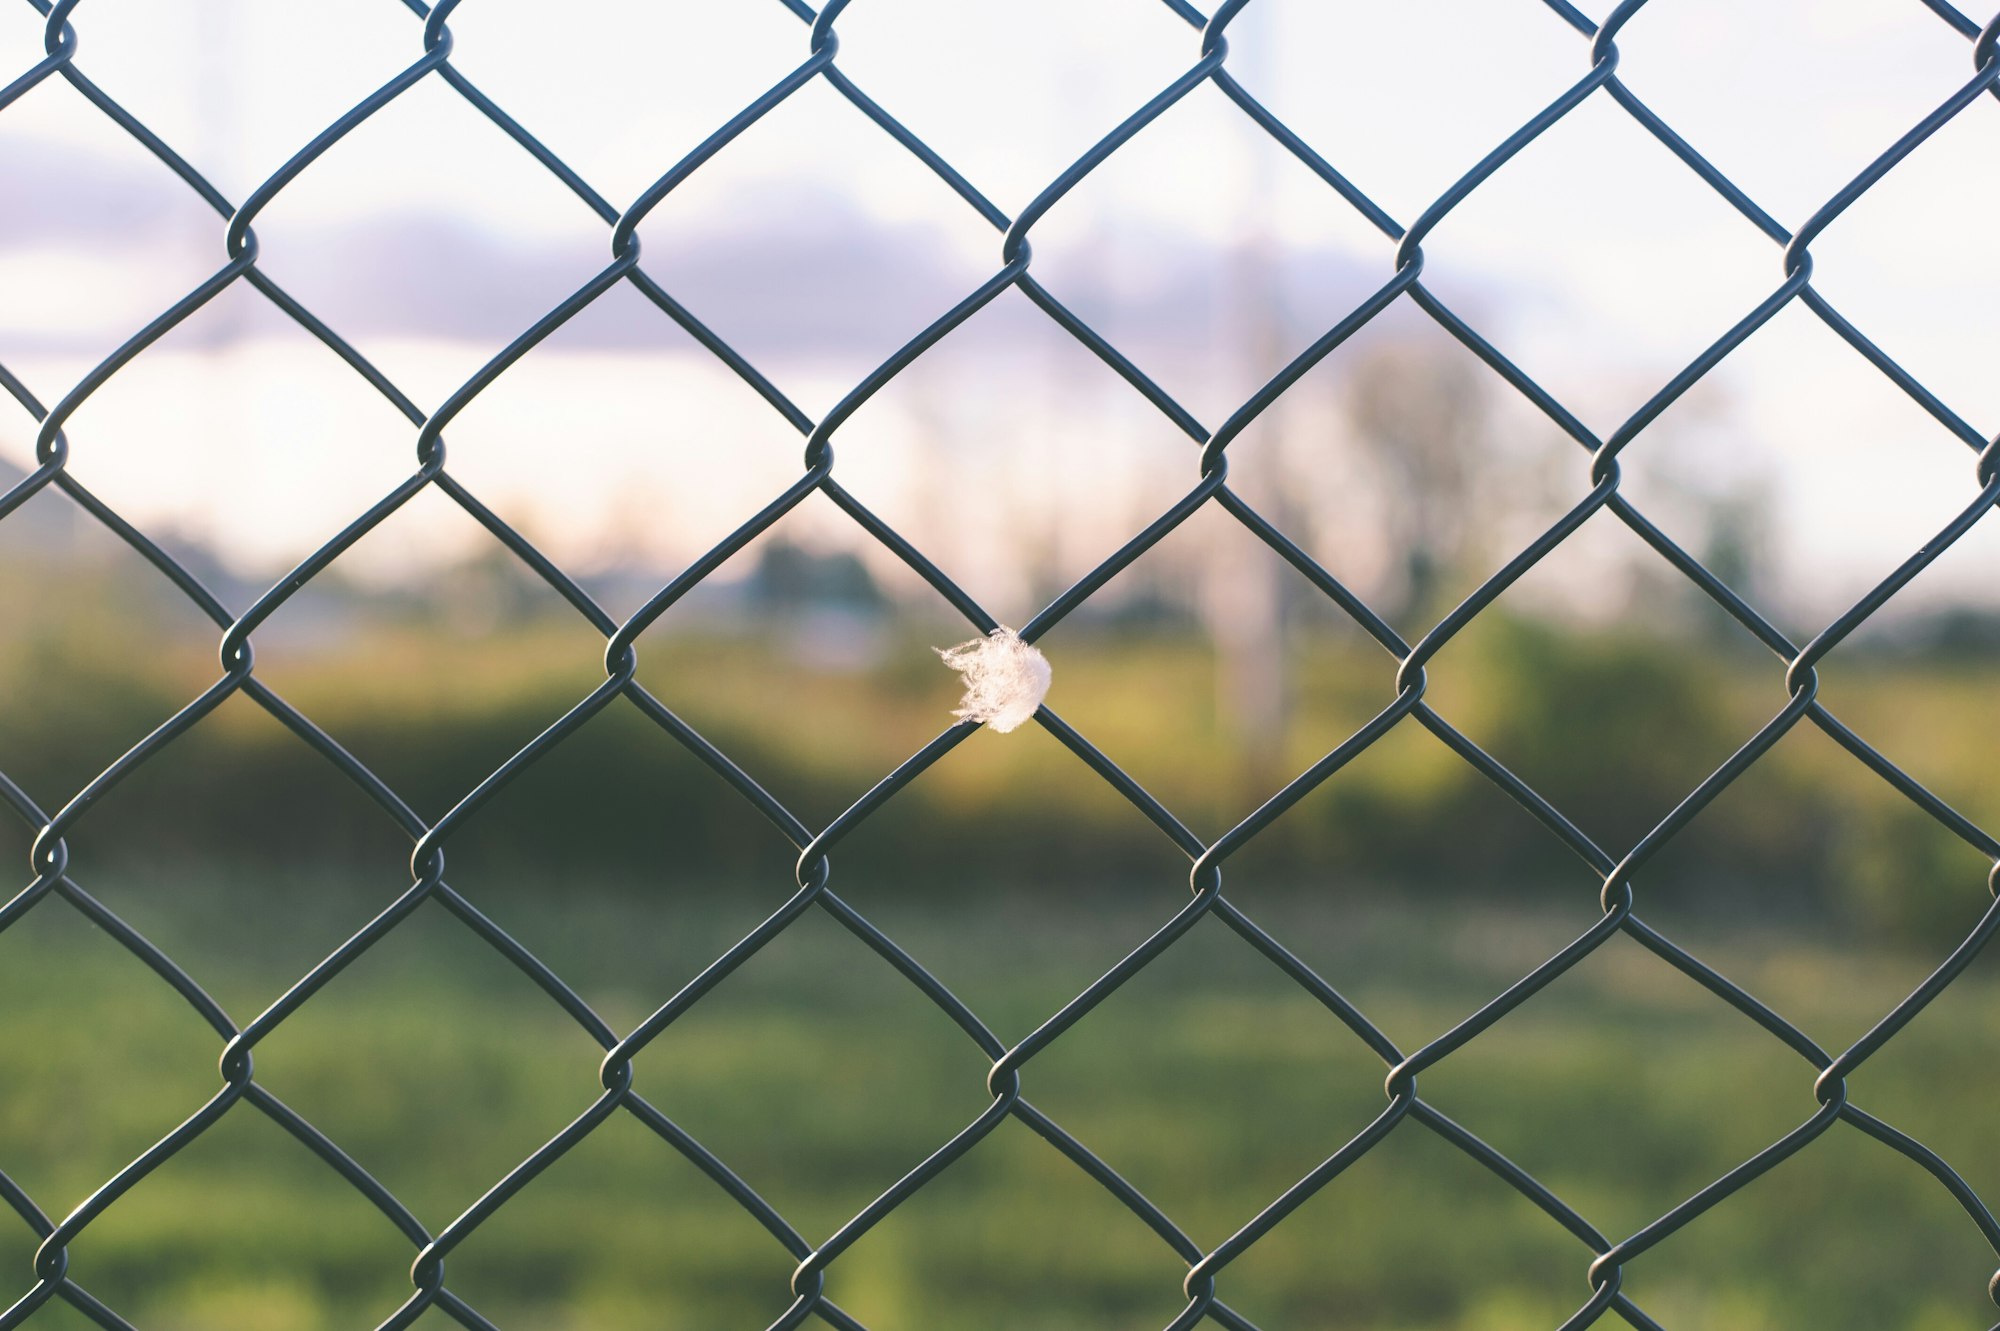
point(1416, 417)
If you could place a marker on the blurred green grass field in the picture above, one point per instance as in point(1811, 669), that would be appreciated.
point(821, 1076)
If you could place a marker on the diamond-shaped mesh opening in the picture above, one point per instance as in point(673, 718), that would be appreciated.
point(54, 1152)
point(654, 836)
point(1372, 100)
point(408, 281)
point(797, 624)
point(1566, 708)
point(662, 487)
point(463, 1096)
point(202, 1241)
point(623, 1233)
point(818, 1073)
point(1013, 1212)
point(1711, 70)
point(1842, 1264)
point(1326, 1256)
point(312, 855)
point(961, 451)
point(1413, 886)
point(1860, 880)
point(275, 109)
point(1717, 475)
point(1210, 1034)
point(639, 105)
point(297, 443)
point(985, 108)
point(1602, 275)
point(440, 633)
point(1215, 720)
point(812, 280)
point(1213, 310)
point(1107, 894)
point(1407, 469)
point(1699, 1090)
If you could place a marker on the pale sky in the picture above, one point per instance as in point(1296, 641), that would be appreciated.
point(816, 244)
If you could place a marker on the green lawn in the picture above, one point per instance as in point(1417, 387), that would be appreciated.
point(821, 1076)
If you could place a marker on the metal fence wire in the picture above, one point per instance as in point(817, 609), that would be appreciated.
point(1605, 1259)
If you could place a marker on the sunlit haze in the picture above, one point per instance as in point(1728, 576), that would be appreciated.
point(815, 245)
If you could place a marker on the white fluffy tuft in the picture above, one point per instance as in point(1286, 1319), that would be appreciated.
point(1005, 678)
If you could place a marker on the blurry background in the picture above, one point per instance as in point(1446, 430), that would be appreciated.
point(817, 246)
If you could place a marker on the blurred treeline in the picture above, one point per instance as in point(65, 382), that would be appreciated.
point(1614, 725)
point(1209, 670)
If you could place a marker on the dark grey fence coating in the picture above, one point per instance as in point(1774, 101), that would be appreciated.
point(1602, 1257)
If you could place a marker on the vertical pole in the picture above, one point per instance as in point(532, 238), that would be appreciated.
point(1245, 589)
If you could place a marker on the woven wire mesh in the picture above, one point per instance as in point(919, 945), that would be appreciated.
point(1604, 1259)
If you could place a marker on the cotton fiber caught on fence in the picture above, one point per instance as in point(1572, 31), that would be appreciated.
point(1005, 678)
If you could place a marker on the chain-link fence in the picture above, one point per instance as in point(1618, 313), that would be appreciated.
point(55, 822)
